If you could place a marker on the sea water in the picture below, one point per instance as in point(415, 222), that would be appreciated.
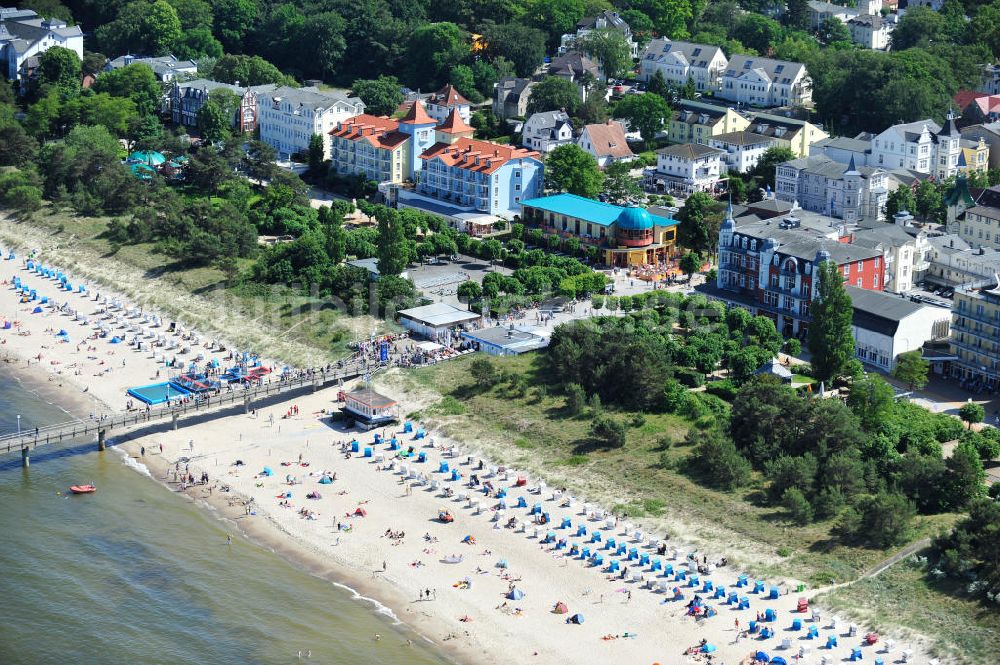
point(137, 574)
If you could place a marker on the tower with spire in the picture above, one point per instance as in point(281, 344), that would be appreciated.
point(852, 194)
point(948, 148)
point(419, 126)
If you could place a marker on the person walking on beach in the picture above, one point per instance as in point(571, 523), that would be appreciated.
point(229, 539)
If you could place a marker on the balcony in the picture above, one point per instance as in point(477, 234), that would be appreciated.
point(986, 333)
point(982, 318)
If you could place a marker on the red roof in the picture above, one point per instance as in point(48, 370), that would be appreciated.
point(417, 115)
point(987, 103)
point(454, 124)
point(379, 131)
point(448, 96)
point(608, 140)
point(472, 155)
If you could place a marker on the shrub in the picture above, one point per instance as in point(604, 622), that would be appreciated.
point(674, 396)
point(725, 389)
point(881, 520)
point(597, 301)
point(798, 507)
point(689, 377)
point(716, 460)
point(793, 346)
point(609, 430)
point(575, 398)
point(484, 373)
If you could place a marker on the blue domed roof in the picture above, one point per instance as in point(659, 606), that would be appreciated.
point(634, 219)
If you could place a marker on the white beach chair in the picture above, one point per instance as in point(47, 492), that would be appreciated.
point(906, 655)
point(824, 660)
point(816, 616)
point(636, 576)
point(803, 651)
point(654, 542)
point(537, 532)
point(692, 566)
point(477, 508)
point(889, 644)
point(435, 485)
point(834, 623)
point(852, 630)
point(638, 536)
point(786, 643)
point(661, 585)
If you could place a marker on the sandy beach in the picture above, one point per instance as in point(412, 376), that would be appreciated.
point(398, 549)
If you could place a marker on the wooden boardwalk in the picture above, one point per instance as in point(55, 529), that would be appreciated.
point(29, 439)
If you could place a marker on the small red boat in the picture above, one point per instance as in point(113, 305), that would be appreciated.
point(83, 489)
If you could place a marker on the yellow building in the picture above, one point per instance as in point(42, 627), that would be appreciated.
point(975, 335)
point(371, 146)
point(975, 156)
point(696, 122)
point(626, 236)
point(796, 135)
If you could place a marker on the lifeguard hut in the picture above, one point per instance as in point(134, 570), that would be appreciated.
point(369, 409)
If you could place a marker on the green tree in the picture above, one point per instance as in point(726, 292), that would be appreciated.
point(60, 67)
point(609, 431)
point(920, 26)
point(797, 15)
point(768, 162)
point(576, 398)
point(141, 27)
point(872, 400)
point(468, 292)
point(317, 163)
point(145, 132)
point(881, 520)
point(911, 369)
point(521, 46)
point(698, 229)
point(217, 115)
point(609, 48)
point(197, 44)
point(964, 476)
point(899, 199)
point(24, 199)
point(136, 82)
point(757, 32)
point(248, 70)
point(568, 168)
point(972, 413)
point(832, 30)
point(193, 13)
point(382, 96)
point(930, 202)
point(798, 506)
point(17, 148)
point(233, 20)
point(716, 460)
point(831, 341)
point(972, 546)
point(553, 93)
point(554, 17)
point(484, 373)
point(115, 113)
point(670, 17)
point(658, 86)
point(464, 80)
point(432, 50)
point(619, 185)
point(392, 248)
point(690, 263)
point(644, 113)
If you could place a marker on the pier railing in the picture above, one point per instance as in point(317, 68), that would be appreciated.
point(29, 438)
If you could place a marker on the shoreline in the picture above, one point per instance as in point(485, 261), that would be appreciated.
point(474, 623)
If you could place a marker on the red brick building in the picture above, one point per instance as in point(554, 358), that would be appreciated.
point(769, 266)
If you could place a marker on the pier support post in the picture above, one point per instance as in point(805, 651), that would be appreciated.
point(25, 459)
point(246, 404)
point(315, 385)
point(101, 438)
point(173, 417)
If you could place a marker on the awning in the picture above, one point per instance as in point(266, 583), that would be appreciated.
point(429, 347)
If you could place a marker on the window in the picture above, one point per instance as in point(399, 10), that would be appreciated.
point(858, 283)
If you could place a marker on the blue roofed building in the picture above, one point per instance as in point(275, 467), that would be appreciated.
point(625, 236)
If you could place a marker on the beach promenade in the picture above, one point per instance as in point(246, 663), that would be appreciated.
point(374, 527)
